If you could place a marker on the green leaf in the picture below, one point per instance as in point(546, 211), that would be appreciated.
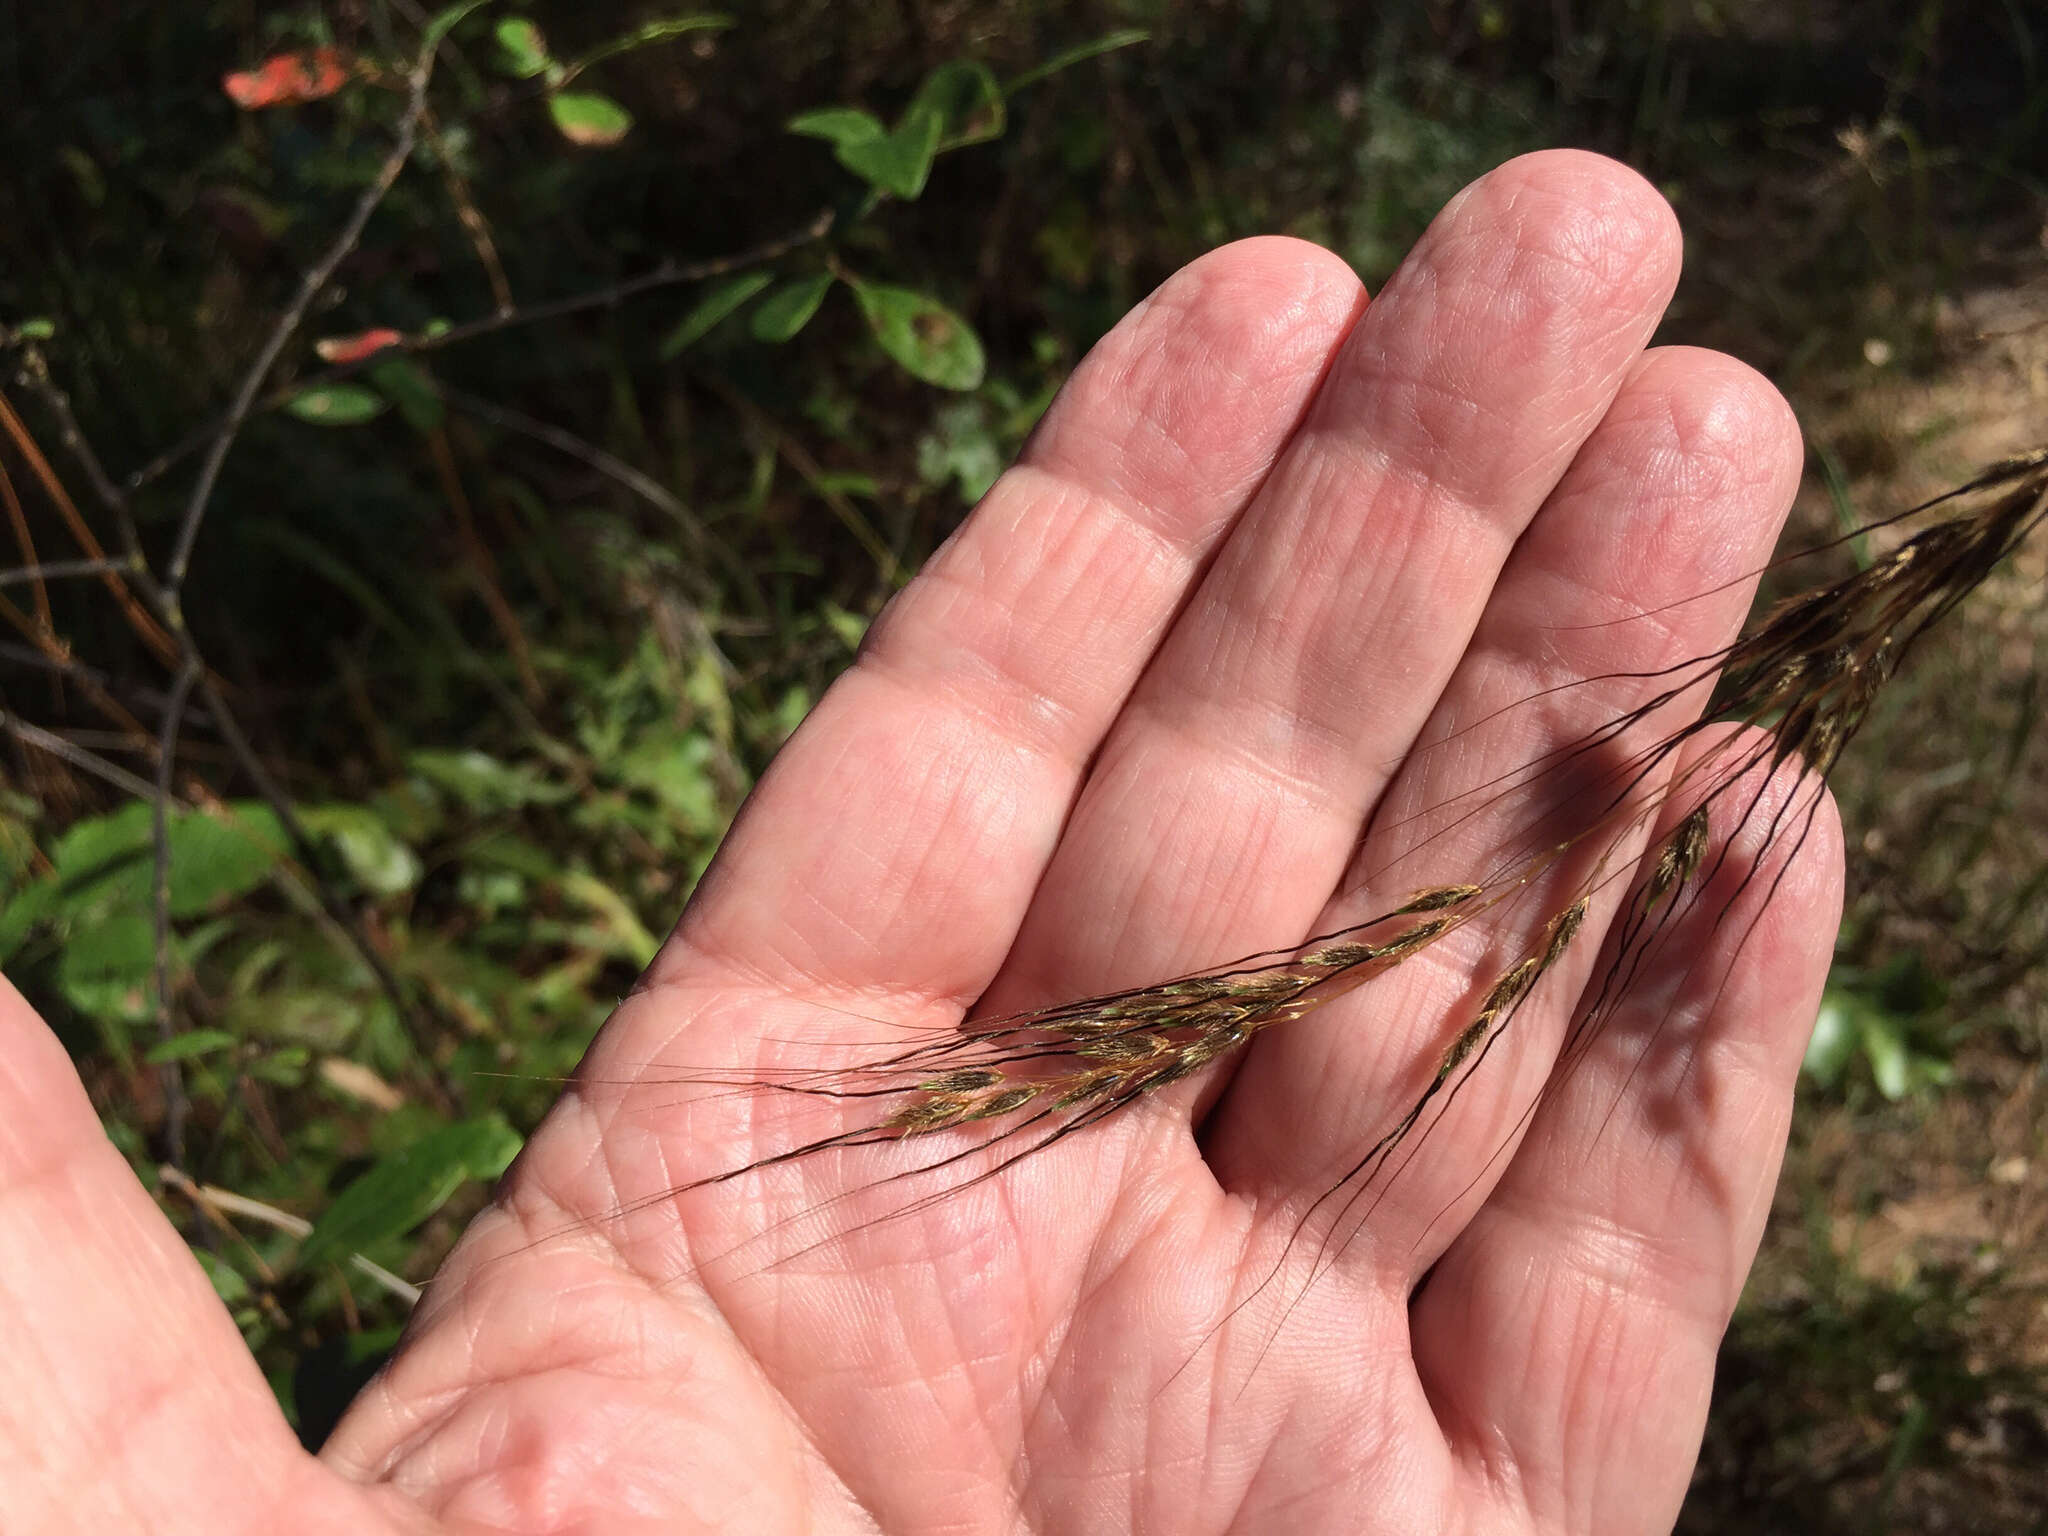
point(851, 628)
point(409, 388)
point(897, 162)
point(1109, 42)
point(964, 97)
point(483, 784)
point(1832, 1045)
point(840, 126)
point(194, 1042)
point(319, 1017)
point(789, 308)
point(674, 765)
point(622, 932)
point(406, 1187)
point(336, 405)
point(1884, 1043)
point(107, 862)
point(381, 863)
point(928, 339)
point(36, 328)
point(214, 861)
point(18, 919)
point(107, 968)
point(285, 1068)
point(522, 51)
point(585, 117)
point(848, 482)
point(719, 300)
point(227, 1281)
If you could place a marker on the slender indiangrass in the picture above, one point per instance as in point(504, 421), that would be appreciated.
point(1802, 678)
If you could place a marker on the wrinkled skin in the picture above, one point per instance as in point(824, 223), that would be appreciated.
point(1158, 703)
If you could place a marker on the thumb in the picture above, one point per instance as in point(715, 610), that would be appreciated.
point(130, 1402)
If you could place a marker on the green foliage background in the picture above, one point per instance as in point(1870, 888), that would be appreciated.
point(516, 689)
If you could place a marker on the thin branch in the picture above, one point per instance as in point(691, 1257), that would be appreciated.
point(169, 1073)
point(24, 540)
point(315, 278)
point(272, 794)
point(667, 275)
point(34, 375)
point(610, 465)
point(471, 217)
point(139, 619)
point(56, 655)
point(55, 570)
point(77, 757)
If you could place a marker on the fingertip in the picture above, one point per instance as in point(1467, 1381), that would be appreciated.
point(1207, 376)
point(1588, 211)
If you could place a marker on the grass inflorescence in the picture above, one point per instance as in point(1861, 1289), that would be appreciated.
point(1799, 683)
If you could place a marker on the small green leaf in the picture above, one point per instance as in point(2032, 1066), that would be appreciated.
point(719, 300)
point(840, 126)
point(107, 969)
point(848, 482)
point(381, 863)
point(286, 1068)
point(851, 628)
point(928, 339)
point(36, 328)
point(1833, 1043)
point(1884, 1043)
point(522, 51)
point(194, 1042)
point(897, 162)
point(407, 386)
point(405, 1187)
point(789, 308)
point(964, 97)
point(584, 117)
point(18, 919)
point(336, 405)
point(485, 785)
point(227, 1281)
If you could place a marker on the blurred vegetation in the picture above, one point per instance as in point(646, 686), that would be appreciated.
point(511, 619)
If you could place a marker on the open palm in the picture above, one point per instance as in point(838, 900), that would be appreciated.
point(1168, 697)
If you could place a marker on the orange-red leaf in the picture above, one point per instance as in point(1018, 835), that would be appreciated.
point(287, 78)
point(353, 349)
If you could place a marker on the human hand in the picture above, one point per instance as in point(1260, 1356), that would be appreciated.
point(1167, 697)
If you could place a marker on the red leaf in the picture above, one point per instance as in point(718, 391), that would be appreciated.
point(353, 349)
point(284, 79)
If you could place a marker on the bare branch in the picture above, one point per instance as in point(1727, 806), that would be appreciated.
point(169, 1073)
point(54, 570)
point(315, 278)
point(77, 757)
point(610, 465)
point(139, 619)
point(33, 374)
point(668, 274)
point(273, 795)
